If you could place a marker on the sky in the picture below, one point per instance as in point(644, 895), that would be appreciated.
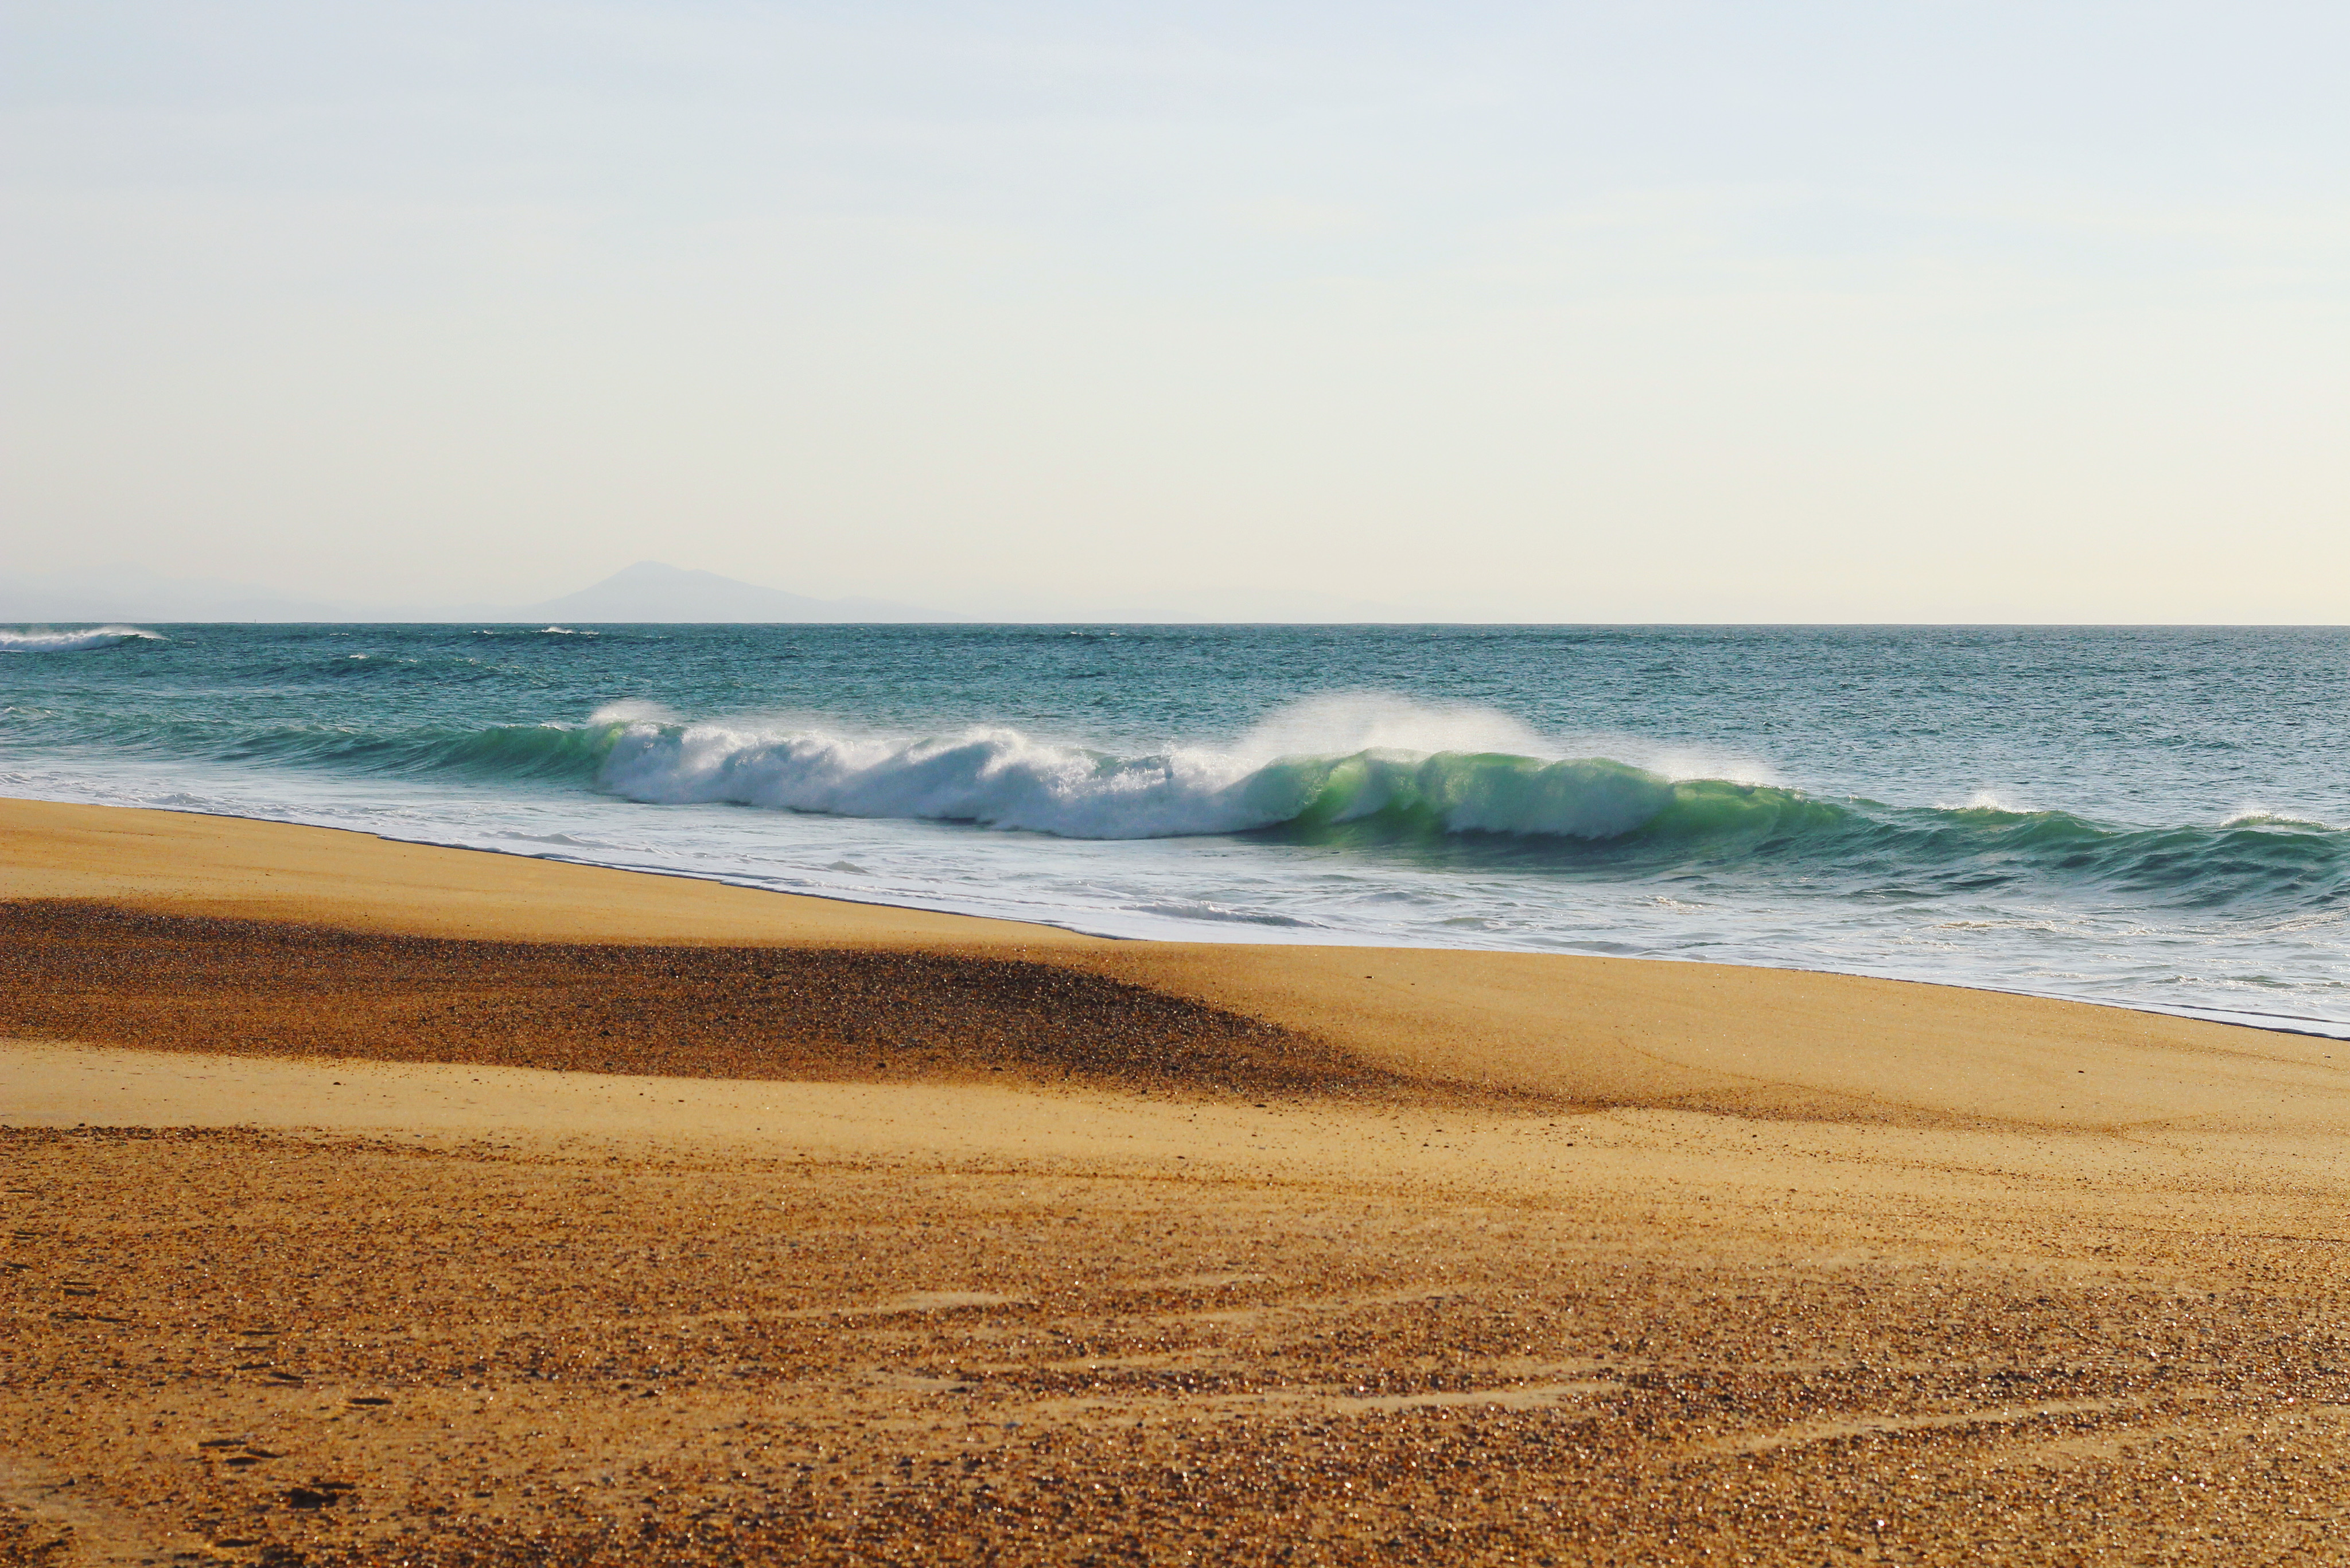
point(1885, 310)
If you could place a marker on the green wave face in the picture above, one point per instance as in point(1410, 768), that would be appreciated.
point(520, 753)
point(1588, 798)
point(1595, 816)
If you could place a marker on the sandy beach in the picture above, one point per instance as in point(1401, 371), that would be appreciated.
point(376, 1203)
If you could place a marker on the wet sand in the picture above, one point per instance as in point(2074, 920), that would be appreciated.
point(373, 1203)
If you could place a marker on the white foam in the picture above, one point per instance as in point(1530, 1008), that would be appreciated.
point(1339, 759)
point(1990, 800)
point(2260, 817)
point(28, 641)
point(994, 776)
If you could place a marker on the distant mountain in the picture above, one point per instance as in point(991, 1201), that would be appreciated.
point(651, 591)
point(647, 591)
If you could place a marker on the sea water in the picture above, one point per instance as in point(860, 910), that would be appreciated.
point(2157, 817)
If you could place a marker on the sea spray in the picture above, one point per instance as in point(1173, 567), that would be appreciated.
point(1602, 814)
point(998, 777)
point(1331, 760)
point(37, 640)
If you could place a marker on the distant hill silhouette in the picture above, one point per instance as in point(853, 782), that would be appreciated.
point(647, 591)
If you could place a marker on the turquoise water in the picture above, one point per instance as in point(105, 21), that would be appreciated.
point(2154, 816)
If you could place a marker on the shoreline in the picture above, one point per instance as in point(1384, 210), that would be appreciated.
point(2282, 1024)
point(1571, 1028)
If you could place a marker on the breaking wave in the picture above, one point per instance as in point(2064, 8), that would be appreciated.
point(74, 641)
point(1593, 811)
point(1463, 786)
point(1318, 764)
point(1466, 787)
point(1001, 778)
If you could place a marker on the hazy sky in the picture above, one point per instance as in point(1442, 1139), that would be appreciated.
point(1653, 311)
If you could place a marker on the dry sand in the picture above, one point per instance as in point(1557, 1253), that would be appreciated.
point(375, 1203)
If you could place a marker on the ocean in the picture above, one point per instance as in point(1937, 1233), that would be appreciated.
point(2157, 817)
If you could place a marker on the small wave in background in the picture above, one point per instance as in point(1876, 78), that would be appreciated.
point(43, 641)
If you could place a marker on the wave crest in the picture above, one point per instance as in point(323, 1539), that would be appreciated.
point(1001, 778)
point(1570, 814)
point(29, 641)
point(1474, 809)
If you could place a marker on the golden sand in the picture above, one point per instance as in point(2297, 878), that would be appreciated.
point(377, 1203)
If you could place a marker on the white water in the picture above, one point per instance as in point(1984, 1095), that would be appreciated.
point(1346, 758)
point(32, 642)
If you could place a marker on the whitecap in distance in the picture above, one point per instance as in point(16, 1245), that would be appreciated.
point(79, 641)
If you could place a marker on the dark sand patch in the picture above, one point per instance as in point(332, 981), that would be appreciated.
point(90, 972)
